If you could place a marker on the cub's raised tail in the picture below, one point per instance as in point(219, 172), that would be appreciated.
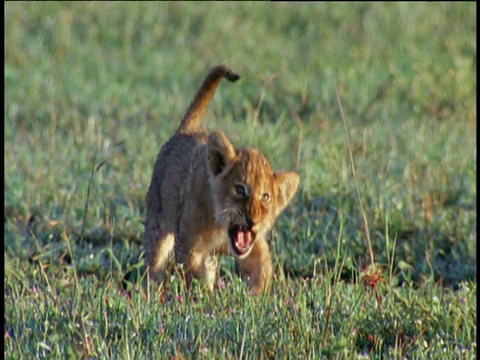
point(192, 119)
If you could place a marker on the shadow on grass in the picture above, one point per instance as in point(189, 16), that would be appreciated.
point(421, 254)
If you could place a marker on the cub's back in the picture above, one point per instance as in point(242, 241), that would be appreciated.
point(172, 168)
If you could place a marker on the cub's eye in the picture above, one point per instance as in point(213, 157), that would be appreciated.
point(240, 190)
point(265, 197)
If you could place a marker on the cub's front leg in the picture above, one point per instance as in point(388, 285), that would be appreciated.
point(257, 266)
point(195, 245)
point(197, 264)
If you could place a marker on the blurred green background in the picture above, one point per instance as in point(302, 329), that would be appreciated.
point(86, 83)
point(92, 90)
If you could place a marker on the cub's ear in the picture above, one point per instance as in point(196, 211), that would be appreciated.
point(287, 185)
point(220, 152)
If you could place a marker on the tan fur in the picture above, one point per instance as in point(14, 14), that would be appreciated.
point(208, 198)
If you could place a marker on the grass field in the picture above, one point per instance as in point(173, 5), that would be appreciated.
point(92, 90)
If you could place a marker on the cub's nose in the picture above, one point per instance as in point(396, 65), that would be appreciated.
point(249, 221)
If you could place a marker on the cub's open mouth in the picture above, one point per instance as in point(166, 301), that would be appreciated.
point(241, 239)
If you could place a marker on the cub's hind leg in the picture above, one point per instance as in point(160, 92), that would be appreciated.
point(158, 252)
point(158, 242)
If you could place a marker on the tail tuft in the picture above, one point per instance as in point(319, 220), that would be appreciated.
point(232, 76)
point(220, 71)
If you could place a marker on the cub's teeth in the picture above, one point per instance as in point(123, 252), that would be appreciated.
point(243, 239)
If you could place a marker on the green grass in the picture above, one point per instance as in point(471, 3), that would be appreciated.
point(92, 90)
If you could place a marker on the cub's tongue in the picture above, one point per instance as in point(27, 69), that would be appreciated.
point(243, 239)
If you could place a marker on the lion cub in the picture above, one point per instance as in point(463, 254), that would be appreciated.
point(207, 197)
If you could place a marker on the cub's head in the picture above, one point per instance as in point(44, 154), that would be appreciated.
point(247, 194)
